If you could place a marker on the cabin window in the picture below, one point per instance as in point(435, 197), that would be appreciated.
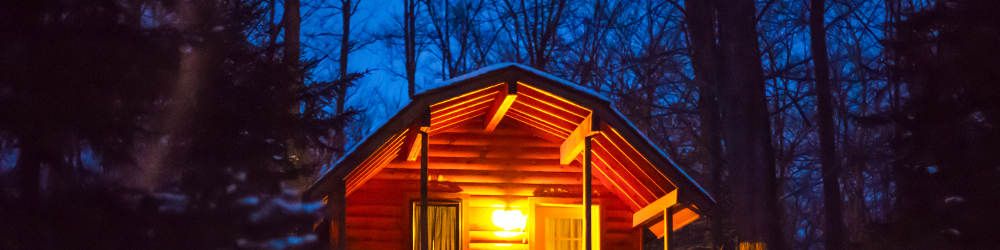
point(563, 233)
point(443, 227)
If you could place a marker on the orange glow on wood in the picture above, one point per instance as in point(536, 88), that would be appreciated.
point(547, 123)
point(681, 218)
point(504, 98)
point(539, 109)
point(548, 136)
point(752, 246)
point(684, 217)
point(363, 167)
point(484, 176)
point(414, 148)
point(374, 162)
point(655, 209)
point(491, 201)
point(509, 164)
point(573, 145)
point(539, 102)
point(555, 110)
point(372, 169)
point(555, 97)
point(537, 166)
point(481, 138)
point(466, 118)
point(617, 190)
point(634, 152)
point(463, 113)
point(535, 124)
point(493, 237)
point(494, 152)
point(630, 186)
point(463, 95)
point(497, 111)
point(632, 180)
point(562, 124)
point(506, 246)
point(453, 110)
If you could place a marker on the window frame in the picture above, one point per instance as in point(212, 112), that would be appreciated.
point(415, 205)
point(463, 214)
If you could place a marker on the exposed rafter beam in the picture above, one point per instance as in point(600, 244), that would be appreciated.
point(654, 211)
point(573, 145)
point(425, 126)
point(414, 148)
point(683, 214)
point(500, 106)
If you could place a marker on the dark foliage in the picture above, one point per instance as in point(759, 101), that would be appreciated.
point(948, 188)
point(132, 131)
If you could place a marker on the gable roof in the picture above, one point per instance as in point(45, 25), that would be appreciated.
point(389, 137)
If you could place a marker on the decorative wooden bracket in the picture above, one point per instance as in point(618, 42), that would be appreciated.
point(501, 104)
point(573, 145)
point(660, 209)
point(425, 126)
point(654, 211)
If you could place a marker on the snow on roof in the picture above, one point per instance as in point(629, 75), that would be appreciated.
point(378, 124)
point(326, 169)
point(498, 66)
point(661, 152)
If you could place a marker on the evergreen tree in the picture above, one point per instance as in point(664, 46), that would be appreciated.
point(947, 191)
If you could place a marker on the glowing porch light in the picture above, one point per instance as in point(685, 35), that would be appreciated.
point(509, 220)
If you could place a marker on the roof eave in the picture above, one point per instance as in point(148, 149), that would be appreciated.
point(506, 72)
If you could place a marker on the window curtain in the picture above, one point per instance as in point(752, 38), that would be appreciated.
point(443, 226)
point(563, 234)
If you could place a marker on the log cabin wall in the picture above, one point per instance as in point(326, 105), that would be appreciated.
point(489, 170)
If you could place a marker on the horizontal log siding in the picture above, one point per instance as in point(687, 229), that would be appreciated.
point(503, 167)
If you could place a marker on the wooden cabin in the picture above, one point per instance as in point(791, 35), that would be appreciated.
point(507, 157)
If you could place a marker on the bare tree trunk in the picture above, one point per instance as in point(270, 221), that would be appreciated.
point(704, 61)
point(747, 129)
point(827, 147)
point(446, 41)
point(345, 49)
point(272, 29)
point(292, 21)
point(538, 25)
point(409, 37)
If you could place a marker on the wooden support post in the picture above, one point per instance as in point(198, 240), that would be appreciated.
point(425, 127)
point(587, 192)
point(637, 236)
point(668, 228)
point(337, 201)
point(424, 232)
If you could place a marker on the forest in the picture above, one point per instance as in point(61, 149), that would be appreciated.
point(196, 124)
